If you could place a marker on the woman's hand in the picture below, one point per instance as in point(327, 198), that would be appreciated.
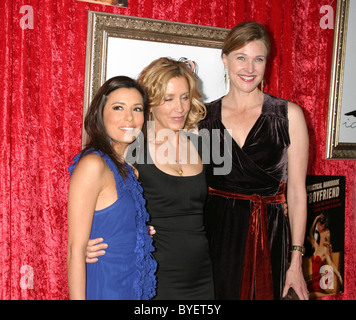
point(151, 231)
point(95, 249)
point(295, 279)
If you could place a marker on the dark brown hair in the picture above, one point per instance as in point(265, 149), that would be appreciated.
point(97, 136)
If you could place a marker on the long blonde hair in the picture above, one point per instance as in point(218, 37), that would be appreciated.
point(155, 77)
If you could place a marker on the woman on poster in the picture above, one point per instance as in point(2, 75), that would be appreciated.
point(319, 238)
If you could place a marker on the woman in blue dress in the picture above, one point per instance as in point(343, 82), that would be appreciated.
point(106, 199)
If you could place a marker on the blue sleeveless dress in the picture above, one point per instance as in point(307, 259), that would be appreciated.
point(126, 271)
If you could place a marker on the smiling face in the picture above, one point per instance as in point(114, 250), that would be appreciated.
point(246, 66)
point(173, 112)
point(123, 116)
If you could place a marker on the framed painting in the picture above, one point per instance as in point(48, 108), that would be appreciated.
point(341, 130)
point(124, 45)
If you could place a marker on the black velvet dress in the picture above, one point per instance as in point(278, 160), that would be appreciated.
point(247, 229)
point(176, 205)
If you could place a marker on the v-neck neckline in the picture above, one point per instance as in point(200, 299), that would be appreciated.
point(251, 129)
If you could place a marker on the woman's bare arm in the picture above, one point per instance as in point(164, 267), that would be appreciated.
point(84, 189)
point(298, 152)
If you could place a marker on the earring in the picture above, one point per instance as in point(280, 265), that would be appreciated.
point(262, 85)
point(226, 77)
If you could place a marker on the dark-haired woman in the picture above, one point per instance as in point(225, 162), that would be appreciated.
point(105, 199)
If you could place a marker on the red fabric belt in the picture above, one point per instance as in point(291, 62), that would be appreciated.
point(257, 252)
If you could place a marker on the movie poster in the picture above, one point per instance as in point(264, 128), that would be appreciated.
point(323, 262)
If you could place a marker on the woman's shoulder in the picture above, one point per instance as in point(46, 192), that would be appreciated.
point(93, 159)
point(294, 109)
point(280, 103)
point(91, 162)
point(275, 106)
point(296, 118)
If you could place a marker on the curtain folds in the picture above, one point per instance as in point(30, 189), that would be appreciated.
point(42, 90)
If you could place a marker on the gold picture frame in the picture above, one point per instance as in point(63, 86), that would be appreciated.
point(118, 44)
point(341, 121)
point(115, 3)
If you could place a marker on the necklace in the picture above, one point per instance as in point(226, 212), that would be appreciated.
point(180, 169)
point(178, 160)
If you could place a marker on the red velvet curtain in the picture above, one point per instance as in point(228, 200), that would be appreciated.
point(42, 88)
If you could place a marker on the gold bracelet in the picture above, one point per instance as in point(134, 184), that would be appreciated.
point(298, 248)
